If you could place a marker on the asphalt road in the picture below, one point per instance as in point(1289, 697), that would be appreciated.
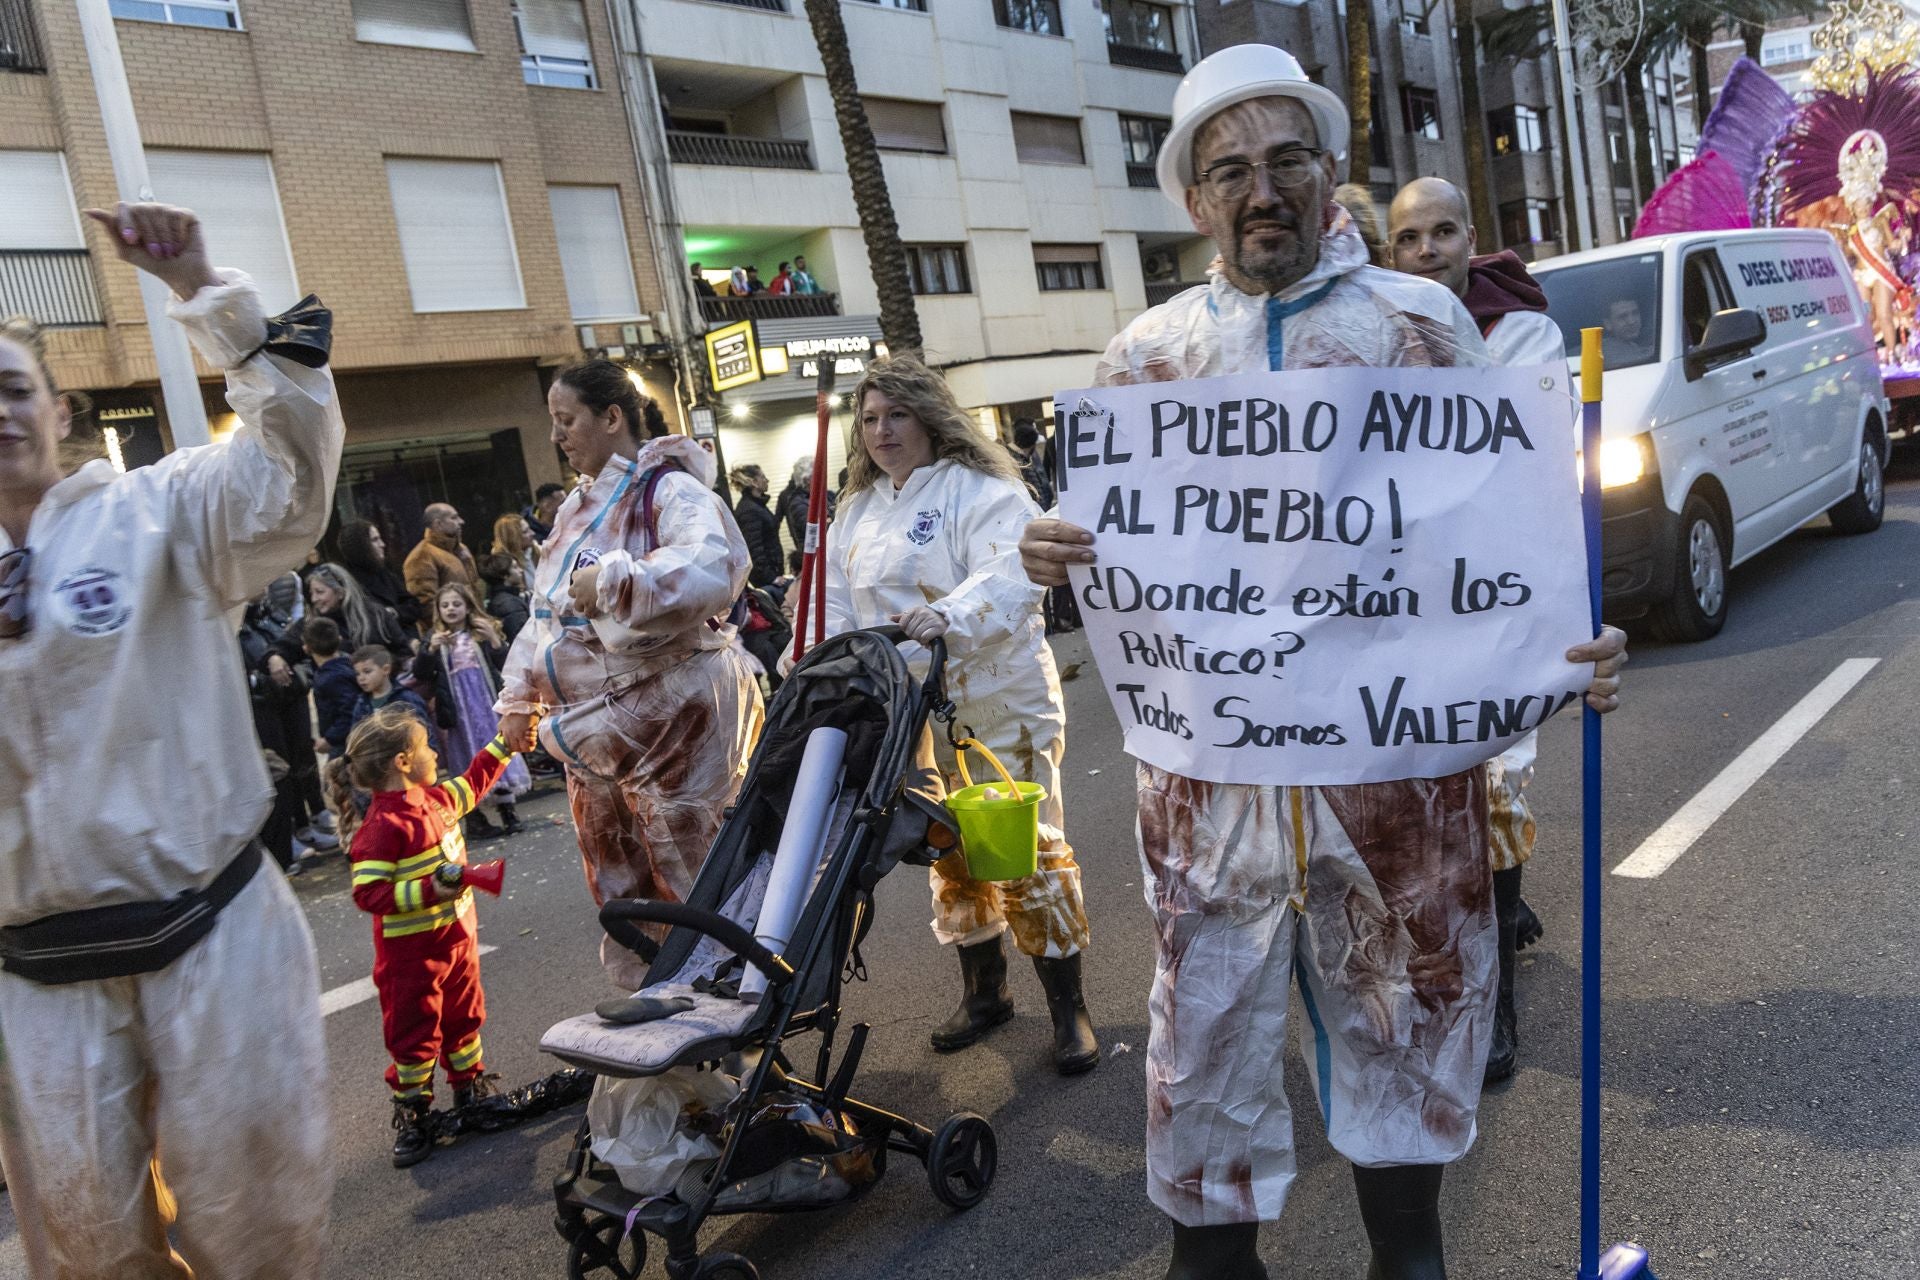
point(1762, 1114)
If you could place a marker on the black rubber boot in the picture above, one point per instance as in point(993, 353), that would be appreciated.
point(1216, 1253)
point(1529, 930)
point(1506, 1041)
point(1075, 1050)
point(1401, 1209)
point(413, 1140)
point(509, 820)
point(478, 827)
point(985, 1004)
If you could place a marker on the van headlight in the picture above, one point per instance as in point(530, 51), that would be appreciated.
point(1623, 460)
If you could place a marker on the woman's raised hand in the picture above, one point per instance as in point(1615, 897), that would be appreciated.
point(163, 240)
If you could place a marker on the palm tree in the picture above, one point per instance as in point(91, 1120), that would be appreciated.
point(886, 258)
point(1479, 180)
point(1359, 91)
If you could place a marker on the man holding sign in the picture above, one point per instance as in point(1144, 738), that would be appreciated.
point(1331, 827)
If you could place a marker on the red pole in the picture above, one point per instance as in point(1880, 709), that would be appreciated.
point(813, 563)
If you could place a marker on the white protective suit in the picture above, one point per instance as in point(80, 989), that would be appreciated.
point(950, 539)
point(1516, 339)
point(652, 709)
point(1395, 949)
point(130, 773)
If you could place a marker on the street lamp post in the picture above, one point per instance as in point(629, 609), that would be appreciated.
point(179, 386)
point(1578, 217)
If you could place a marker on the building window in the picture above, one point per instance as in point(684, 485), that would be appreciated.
point(916, 6)
point(239, 208)
point(1416, 17)
point(938, 268)
point(425, 24)
point(40, 208)
point(1517, 129)
point(1068, 266)
point(906, 126)
point(221, 14)
point(1042, 17)
point(1420, 111)
point(1780, 47)
point(1142, 136)
point(1528, 222)
point(593, 252)
point(1138, 24)
point(454, 235)
point(45, 271)
point(1377, 148)
point(554, 50)
point(1047, 139)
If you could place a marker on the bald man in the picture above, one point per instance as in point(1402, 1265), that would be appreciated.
point(440, 559)
point(1430, 233)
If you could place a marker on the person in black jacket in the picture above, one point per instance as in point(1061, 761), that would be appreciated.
point(758, 525)
point(333, 592)
point(284, 726)
point(506, 594)
point(363, 553)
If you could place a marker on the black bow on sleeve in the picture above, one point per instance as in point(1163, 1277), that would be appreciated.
point(303, 334)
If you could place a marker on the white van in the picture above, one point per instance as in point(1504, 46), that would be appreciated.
point(1742, 399)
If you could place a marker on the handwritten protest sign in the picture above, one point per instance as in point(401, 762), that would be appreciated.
point(1335, 576)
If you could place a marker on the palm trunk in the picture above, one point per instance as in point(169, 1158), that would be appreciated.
point(1359, 92)
point(1479, 180)
point(1753, 33)
point(886, 259)
point(1640, 134)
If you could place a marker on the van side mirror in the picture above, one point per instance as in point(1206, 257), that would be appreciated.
point(1733, 332)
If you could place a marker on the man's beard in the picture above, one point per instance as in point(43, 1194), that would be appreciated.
point(1280, 265)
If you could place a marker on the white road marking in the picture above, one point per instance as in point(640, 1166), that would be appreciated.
point(1664, 847)
point(359, 991)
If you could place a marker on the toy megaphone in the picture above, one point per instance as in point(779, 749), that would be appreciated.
point(486, 876)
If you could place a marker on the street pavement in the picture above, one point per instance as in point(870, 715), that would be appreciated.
point(1762, 1115)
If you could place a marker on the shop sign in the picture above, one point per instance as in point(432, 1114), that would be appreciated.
point(849, 354)
point(733, 356)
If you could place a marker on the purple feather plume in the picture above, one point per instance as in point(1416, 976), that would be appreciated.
point(1807, 171)
point(1746, 121)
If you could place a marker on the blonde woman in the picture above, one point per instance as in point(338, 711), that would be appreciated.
point(514, 539)
point(928, 537)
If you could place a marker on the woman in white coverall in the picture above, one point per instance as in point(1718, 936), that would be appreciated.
point(928, 536)
point(646, 699)
point(160, 1005)
point(1376, 898)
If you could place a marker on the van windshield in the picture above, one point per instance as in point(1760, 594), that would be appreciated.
point(1621, 296)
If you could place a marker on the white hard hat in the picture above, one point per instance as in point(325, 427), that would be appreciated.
point(1236, 74)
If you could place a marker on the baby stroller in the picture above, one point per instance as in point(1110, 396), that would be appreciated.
point(786, 1142)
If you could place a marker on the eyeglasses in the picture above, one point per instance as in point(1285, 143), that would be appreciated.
point(13, 593)
point(1292, 167)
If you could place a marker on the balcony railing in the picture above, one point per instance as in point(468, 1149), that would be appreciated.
point(54, 286)
point(1141, 175)
point(751, 153)
point(770, 306)
point(1158, 292)
point(19, 42)
point(1128, 55)
point(772, 6)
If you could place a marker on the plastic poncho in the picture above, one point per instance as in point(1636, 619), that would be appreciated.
point(1382, 891)
point(130, 772)
point(652, 707)
point(949, 538)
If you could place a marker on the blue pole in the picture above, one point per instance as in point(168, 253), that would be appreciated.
point(1590, 377)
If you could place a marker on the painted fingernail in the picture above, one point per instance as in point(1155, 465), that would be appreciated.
point(153, 248)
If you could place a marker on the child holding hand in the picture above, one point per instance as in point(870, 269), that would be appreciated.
point(410, 873)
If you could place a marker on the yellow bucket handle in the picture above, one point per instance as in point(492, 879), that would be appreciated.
point(960, 749)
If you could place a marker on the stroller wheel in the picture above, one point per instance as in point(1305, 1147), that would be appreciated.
point(962, 1160)
point(602, 1248)
point(726, 1266)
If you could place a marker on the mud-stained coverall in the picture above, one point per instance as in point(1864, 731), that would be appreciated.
point(1395, 947)
point(652, 710)
point(128, 774)
point(949, 539)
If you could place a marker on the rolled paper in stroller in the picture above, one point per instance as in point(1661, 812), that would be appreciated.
point(798, 857)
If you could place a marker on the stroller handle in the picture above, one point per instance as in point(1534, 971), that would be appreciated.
point(936, 647)
point(618, 916)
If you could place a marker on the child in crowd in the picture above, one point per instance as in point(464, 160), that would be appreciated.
point(410, 873)
point(462, 667)
point(373, 670)
point(336, 687)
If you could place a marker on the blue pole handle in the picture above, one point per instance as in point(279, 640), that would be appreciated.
point(1590, 380)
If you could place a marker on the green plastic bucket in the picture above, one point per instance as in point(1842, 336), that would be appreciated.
point(999, 836)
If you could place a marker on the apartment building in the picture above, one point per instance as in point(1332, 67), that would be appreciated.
point(1420, 117)
point(1787, 51)
point(454, 178)
point(1018, 139)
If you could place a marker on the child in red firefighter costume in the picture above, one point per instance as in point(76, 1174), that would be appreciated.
point(410, 872)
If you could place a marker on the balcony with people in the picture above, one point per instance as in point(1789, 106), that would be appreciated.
point(762, 273)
